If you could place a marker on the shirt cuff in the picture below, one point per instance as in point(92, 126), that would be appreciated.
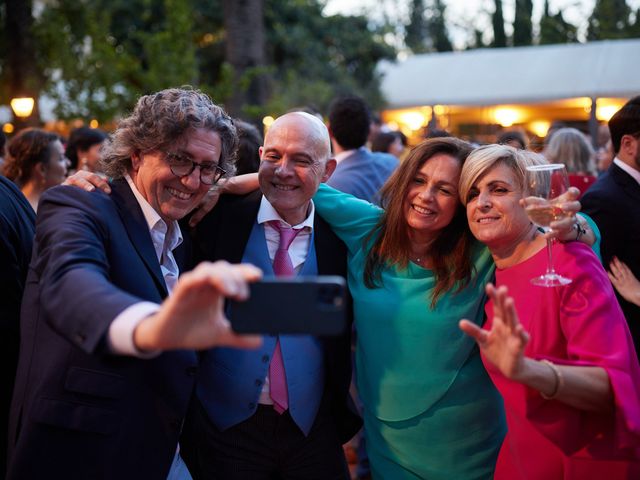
point(120, 337)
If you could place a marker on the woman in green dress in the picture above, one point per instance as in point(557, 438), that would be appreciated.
point(430, 409)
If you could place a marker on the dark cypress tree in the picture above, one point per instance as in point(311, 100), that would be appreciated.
point(416, 31)
point(609, 19)
point(522, 26)
point(437, 28)
point(555, 29)
point(497, 19)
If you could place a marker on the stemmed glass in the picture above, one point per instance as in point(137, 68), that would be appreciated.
point(546, 183)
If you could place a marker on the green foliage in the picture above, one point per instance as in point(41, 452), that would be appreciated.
point(554, 28)
point(522, 25)
point(497, 20)
point(316, 58)
point(98, 56)
point(609, 19)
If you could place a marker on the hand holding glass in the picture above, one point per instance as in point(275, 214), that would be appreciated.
point(546, 183)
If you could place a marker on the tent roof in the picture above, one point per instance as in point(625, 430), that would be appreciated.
point(492, 76)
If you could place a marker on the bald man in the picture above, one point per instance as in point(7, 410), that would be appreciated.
point(238, 427)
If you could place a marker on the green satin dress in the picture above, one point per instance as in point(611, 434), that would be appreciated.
point(430, 409)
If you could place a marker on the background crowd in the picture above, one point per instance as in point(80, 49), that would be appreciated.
point(463, 368)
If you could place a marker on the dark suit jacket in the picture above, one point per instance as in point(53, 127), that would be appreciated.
point(614, 203)
point(223, 235)
point(79, 411)
point(17, 227)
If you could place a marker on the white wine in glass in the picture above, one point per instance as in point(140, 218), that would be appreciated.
point(546, 183)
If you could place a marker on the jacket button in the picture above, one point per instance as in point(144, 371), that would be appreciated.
point(252, 406)
point(80, 337)
point(265, 358)
point(258, 382)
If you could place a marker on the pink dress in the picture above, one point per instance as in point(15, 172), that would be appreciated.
point(578, 324)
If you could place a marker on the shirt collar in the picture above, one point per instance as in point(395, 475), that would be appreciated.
point(345, 153)
point(171, 233)
point(267, 213)
point(628, 168)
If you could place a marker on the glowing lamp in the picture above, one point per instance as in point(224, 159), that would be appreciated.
point(22, 106)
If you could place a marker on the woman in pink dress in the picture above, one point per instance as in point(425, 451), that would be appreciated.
point(561, 357)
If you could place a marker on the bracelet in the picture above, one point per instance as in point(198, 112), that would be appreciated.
point(559, 380)
point(580, 230)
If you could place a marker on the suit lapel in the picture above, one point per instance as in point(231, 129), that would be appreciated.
point(625, 181)
point(138, 230)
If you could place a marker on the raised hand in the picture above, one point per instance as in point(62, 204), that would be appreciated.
point(193, 316)
point(624, 281)
point(504, 344)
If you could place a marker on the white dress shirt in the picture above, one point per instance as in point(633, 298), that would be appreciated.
point(165, 239)
point(628, 168)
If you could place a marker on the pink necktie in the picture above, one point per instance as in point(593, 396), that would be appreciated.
point(282, 267)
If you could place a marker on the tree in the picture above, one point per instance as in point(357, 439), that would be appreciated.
point(416, 31)
point(437, 27)
point(609, 19)
point(426, 30)
point(497, 20)
point(522, 26)
point(554, 28)
point(100, 55)
point(245, 52)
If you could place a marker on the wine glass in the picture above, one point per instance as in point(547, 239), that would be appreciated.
point(546, 183)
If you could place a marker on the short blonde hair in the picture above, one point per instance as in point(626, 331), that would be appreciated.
point(483, 159)
point(569, 146)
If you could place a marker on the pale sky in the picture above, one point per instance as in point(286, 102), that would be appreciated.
point(462, 14)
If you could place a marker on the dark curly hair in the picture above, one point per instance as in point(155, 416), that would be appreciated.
point(162, 119)
point(26, 150)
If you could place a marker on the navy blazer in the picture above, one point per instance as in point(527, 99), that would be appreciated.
point(17, 227)
point(223, 235)
point(78, 410)
point(613, 201)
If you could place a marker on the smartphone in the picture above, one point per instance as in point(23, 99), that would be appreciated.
point(292, 305)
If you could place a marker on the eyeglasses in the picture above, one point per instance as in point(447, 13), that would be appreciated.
point(182, 166)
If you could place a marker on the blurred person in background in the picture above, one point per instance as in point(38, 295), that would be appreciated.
point(359, 172)
point(570, 147)
point(604, 157)
point(388, 142)
point(83, 148)
point(513, 138)
point(562, 357)
point(248, 158)
point(35, 162)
